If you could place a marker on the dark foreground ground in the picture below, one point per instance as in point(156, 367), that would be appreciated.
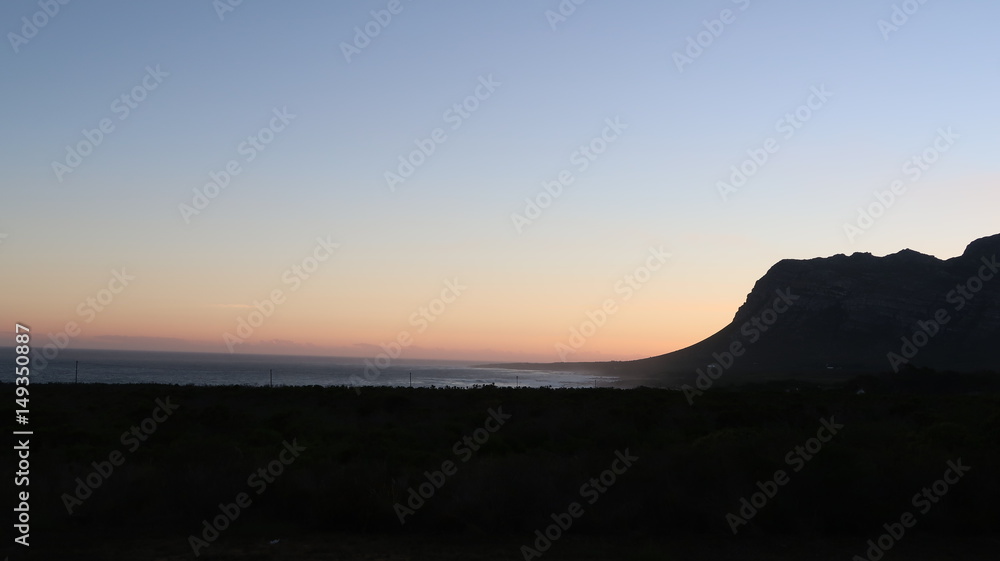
point(328, 473)
point(461, 548)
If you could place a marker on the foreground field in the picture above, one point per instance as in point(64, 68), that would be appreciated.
point(158, 472)
point(489, 548)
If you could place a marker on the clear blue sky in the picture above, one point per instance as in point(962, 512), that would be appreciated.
point(324, 173)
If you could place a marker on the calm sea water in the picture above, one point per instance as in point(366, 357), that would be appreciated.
point(134, 367)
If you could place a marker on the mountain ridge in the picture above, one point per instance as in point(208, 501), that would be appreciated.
point(846, 315)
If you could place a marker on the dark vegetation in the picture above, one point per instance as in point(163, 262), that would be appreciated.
point(364, 452)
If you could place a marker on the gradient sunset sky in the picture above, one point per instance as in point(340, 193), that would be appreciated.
point(354, 105)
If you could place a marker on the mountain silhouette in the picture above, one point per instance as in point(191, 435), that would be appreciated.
point(847, 315)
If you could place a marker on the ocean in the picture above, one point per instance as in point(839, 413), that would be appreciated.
point(145, 367)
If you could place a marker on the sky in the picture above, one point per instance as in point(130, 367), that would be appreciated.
point(545, 180)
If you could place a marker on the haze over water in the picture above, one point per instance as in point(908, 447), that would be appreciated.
point(136, 367)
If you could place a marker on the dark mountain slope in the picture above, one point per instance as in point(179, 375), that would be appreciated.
point(846, 314)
